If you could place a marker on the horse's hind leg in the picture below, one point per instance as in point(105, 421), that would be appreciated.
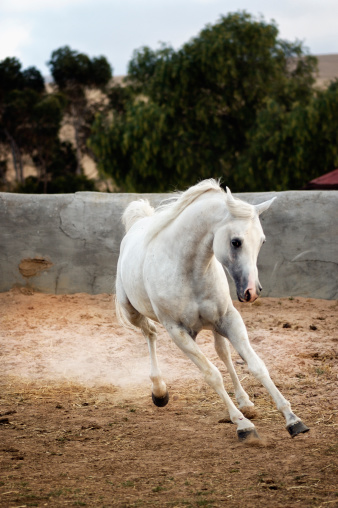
point(160, 393)
point(222, 347)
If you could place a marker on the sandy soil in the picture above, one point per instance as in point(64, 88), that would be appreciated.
point(78, 428)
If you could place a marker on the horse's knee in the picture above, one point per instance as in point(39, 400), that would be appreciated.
point(258, 369)
point(213, 377)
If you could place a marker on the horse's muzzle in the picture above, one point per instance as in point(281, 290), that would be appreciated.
point(247, 295)
point(250, 295)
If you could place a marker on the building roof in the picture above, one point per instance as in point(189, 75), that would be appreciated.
point(329, 181)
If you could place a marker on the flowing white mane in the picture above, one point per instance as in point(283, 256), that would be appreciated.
point(171, 208)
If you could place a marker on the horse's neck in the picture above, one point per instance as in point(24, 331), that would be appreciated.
point(205, 213)
point(193, 230)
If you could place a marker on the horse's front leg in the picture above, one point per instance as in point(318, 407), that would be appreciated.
point(222, 347)
point(232, 326)
point(212, 376)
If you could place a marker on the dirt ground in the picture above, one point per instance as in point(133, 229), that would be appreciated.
point(78, 428)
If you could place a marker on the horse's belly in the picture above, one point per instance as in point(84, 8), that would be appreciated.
point(143, 305)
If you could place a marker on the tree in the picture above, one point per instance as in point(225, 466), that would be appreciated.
point(19, 90)
point(3, 167)
point(31, 122)
point(46, 117)
point(287, 149)
point(191, 110)
point(60, 171)
point(74, 74)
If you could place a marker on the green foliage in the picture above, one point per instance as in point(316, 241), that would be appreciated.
point(76, 71)
point(13, 78)
point(20, 92)
point(60, 174)
point(60, 185)
point(33, 80)
point(64, 160)
point(30, 120)
point(10, 77)
point(287, 149)
point(194, 113)
point(31, 123)
point(74, 74)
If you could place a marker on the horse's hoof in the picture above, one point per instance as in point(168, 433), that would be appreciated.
point(160, 401)
point(247, 433)
point(297, 428)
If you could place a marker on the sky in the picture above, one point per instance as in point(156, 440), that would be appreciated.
point(31, 29)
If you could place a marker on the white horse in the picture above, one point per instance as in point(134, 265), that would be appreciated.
point(171, 270)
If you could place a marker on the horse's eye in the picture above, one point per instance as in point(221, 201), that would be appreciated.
point(236, 242)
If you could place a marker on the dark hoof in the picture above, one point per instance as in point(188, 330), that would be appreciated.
point(248, 433)
point(160, 401)
point(297, 428)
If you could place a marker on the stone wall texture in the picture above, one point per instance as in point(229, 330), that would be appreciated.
point(70, 243)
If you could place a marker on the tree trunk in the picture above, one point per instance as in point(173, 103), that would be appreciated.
point(45, 182)
point(42, 173)
point(77, 125)
point(16, 156)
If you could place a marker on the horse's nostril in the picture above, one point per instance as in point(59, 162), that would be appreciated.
point(247, 295)
point(260, 288)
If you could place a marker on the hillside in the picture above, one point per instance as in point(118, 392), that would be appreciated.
point(327, 68)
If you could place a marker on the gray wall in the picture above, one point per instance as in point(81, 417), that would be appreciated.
point(70, 243)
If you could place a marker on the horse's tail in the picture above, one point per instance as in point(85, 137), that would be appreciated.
point(135, 211)
point(122, 317)
point(146, 325)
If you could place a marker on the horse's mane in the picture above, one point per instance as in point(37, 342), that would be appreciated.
point(171, 208)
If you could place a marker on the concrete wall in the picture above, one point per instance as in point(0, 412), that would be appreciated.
point(70, 243)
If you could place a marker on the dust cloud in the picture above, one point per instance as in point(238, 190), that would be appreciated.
point(77, 339)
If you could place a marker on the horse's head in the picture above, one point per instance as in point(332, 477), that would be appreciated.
point(237, 243)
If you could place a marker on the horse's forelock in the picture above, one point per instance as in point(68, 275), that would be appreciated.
point(240, 209)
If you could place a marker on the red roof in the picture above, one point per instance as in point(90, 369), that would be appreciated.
point(329, 181)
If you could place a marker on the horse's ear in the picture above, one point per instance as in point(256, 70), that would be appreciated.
point(264, 206)
point(229, 195)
